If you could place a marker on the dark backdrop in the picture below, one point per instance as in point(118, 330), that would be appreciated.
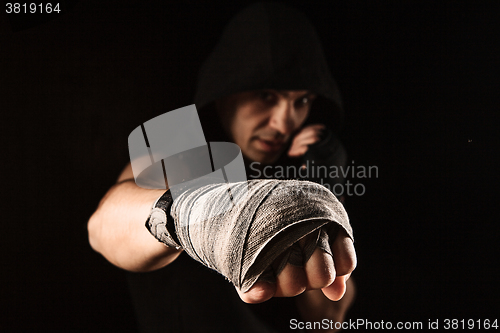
point(420, 83)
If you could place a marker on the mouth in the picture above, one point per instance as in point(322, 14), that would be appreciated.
point(269, 145)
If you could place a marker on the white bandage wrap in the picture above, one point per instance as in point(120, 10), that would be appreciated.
point(240, 229)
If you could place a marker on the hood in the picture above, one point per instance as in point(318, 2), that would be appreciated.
point(269, 46)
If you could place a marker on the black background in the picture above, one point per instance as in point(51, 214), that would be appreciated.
point(420, 83)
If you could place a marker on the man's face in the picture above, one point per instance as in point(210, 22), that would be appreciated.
point(262, 122)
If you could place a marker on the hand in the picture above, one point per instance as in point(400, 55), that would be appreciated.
point(320, 272)
point(307, 136)
point(314, 306)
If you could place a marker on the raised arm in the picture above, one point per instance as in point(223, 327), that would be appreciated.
point(116, 229)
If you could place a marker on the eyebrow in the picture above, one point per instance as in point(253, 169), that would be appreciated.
point(306, 94)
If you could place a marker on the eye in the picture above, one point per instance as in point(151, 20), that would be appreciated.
point(267, 96)
point(303, 101)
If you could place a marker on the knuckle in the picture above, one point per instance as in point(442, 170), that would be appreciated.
point(320, 270)
point(322, 279)
point(292, 281)
point(347, 264)
point(296, 288)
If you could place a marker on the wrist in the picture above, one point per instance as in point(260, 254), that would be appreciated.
point(160, 222)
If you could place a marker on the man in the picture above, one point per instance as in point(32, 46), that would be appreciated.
point(256, 89)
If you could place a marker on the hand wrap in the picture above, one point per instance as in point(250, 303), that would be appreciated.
point(240, 229)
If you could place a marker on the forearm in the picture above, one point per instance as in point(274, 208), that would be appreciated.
point(314, 306)
point(117, 229)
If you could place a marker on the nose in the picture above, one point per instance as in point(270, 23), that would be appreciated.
point(282, 119)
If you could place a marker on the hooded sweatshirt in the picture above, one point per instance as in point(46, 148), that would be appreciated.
point(265, 46)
